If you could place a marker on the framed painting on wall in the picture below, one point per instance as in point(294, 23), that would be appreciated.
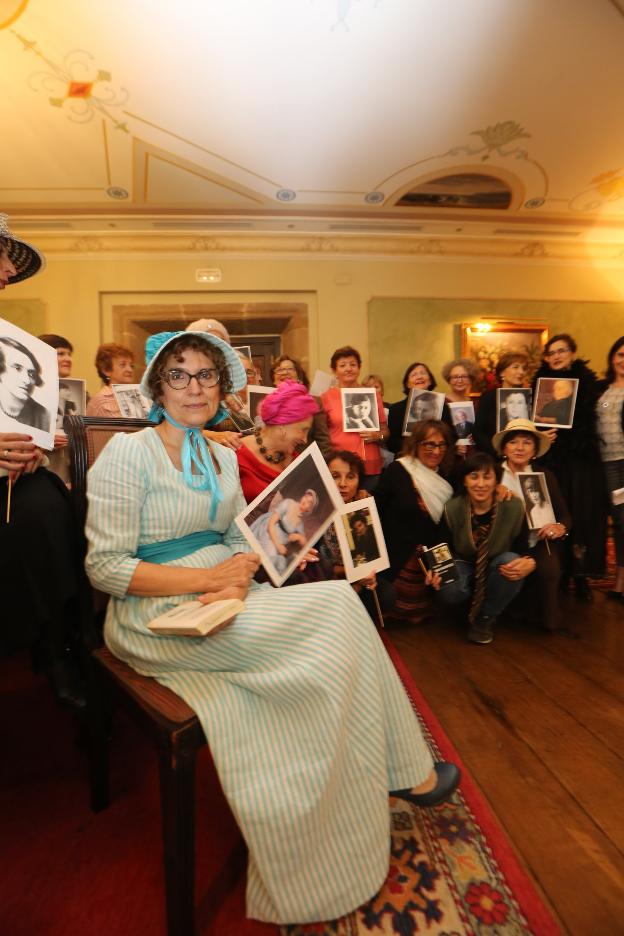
point(486, 342)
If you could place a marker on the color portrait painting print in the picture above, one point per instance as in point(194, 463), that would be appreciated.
point(359, 409)
point(361, 539)
point(537, 503)
point(291, 514)
point(29, 389)
point(512, 403)
point(555, 399)
point(422, 404)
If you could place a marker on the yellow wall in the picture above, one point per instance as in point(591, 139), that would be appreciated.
point(72, 290)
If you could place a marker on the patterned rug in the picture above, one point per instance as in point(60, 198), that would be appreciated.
point(452, 870)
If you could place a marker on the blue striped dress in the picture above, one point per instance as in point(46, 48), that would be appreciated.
point(306, 718)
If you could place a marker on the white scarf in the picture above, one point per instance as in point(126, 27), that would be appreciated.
point(433, 489)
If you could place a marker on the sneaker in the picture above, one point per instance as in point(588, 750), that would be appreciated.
point(482, 631)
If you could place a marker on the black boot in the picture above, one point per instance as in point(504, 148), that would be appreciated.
point(482, 631)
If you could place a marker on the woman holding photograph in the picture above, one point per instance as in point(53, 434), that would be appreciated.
point(610, 415)
point(306, 718)
point(574, 459)
point(461, 375)
point(410, 499)
point(489, 539)
point(416, 377)
point(511, 373)
point(346, 364)
point(115, 365)
point(520, 443)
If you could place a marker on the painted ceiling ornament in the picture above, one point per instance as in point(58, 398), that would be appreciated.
point(10, 11)
point(499, 135)
point(606, 187)
point(77, 86)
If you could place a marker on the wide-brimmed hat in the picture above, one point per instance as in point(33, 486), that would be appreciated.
point(522, 425)
point(26, 259)
point(156, 344)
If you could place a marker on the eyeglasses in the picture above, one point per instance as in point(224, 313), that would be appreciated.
point(179, 379)
point(432, 446)
point(460, 377)
point(285, 371)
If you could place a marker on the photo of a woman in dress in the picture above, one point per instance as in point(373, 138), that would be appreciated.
point(281, 532)
point(20, 373)
point(538, 507)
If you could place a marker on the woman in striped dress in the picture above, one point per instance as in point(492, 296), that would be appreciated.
point(307, 721)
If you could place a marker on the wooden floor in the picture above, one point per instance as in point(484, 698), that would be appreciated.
point(539, 722)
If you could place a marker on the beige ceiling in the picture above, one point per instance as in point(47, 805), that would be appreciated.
point(312, 115)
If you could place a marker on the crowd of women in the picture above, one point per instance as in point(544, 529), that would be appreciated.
point(308, 723)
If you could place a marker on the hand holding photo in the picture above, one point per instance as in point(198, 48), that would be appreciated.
point(422, 404)
point(555, 399)
point(512, 403)
point(537, 503)
point(29, 389)
point(359, 409)
point(290, 515)
point(361, 539)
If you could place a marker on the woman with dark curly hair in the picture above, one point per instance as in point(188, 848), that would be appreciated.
point(574, 459)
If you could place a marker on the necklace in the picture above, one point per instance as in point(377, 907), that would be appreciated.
point(11, 415)
point(276, 458)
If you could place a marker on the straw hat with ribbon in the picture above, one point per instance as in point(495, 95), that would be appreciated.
point(195, 451)
point(25, 258)
point(542, 443)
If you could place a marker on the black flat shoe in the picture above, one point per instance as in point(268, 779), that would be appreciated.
point(582, 590)
point(448, 776)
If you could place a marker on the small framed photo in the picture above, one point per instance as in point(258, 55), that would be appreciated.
point(29, 387)
point(131, 402)
point(245, 350)
point(422, 404)
point(555, 399)
point(512, 403)
point(463, 418)
point(537, 503)
point(255, 396)
point(361, 539)
point(72, 399)
point(359, 409)
point(290, 515)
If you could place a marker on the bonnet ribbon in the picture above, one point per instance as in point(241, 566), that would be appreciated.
point(195, 451)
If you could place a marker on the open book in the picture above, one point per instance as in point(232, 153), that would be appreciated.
point(194, 619)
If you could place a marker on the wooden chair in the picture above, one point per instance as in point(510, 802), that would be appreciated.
point(164, 716)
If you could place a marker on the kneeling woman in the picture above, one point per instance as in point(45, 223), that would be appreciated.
point(489, 539)
point(306, 718)
point(520, 442)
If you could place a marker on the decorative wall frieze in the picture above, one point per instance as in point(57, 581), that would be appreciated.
point(247, 245)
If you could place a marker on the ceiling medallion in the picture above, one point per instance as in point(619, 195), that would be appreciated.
point(374, 198)
point(116, 191)
point(285, 194)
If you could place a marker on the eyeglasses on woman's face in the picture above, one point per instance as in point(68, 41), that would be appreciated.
point(285, 372)
point(459, 377)
point(178, 379)
point(434, 446)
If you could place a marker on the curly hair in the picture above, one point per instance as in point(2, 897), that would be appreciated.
point(176, 350)
point(467, 363)
point(105, 356)
point(351, 458)
point(347, 351)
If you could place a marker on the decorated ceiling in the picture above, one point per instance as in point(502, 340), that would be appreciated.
point(343, 116)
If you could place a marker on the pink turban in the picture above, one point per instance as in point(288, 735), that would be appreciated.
point(290, 403)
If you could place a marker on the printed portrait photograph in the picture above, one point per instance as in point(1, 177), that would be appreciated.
point(245, 350)
point(131, 402)
point(255, 396)
point(361, 539)
point(359, 409)
point(537, 503)
point(72, 399)
point(463, 418)
point(29, 389)
point(441, 553)
point(422, 404)
point(555, 399)
point(512, 403)
point(291, 514)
